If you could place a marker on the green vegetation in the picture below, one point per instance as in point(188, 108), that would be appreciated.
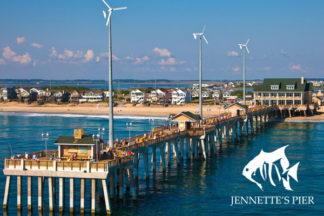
point(66, 88)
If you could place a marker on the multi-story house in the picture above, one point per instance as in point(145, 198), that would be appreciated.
point(158, 96)
point(7, 94)
point(74, 97)
point(24, 95)
point(181, 96)
point(137, 96)
point(92, 96)
point(283, 92)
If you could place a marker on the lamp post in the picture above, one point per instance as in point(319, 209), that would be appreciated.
point(45, 137)
point(96, 138)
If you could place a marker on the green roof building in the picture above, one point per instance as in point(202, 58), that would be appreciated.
point(285, 91)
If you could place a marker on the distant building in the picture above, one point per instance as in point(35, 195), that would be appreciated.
point(185, 119)
point(7, 94)
point(24, 95)
point(159, 96)
point(283, 92)
point(74, 97)
point(137, 96)
point(180, 96)
point(91, 96)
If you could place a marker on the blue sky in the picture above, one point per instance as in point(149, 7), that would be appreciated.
point(153, 39)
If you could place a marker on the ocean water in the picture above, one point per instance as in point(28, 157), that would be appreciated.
point(195, 188)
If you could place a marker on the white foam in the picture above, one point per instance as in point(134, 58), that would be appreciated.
point(80, 115)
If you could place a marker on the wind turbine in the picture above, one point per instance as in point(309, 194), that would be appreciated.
point(107, 15)
point(200, 36)
point(244, 48)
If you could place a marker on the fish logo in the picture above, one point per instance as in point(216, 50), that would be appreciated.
point(264, 162)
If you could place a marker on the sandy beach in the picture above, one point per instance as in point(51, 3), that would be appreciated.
point(102, 109)
point(130, 110)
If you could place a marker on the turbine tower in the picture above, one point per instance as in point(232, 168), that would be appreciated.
point(244, 48)
point(200, 36)
point(107, 16)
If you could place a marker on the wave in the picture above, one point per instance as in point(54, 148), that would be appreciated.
point(65, 115)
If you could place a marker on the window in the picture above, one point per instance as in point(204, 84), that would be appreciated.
point(290, 87)
point(297, 102)
point(297, 94)
point(290, 94)
point(282, 94)
point(265, 94)
point(273, 94)
point(274, 87)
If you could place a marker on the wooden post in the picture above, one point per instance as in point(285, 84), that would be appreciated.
point(29, 192)
point(50, 194)
point(105, 191)
point(18, 193)
point(93, 196)
point(6, 193)
point(131, 180)
point(182, 153)
point(121, 182)
point(168, 149)
point(61, 194)
point(146, 165)
point(195, 143)
point(162, 157)
point(112, 183)
point(202, 142)
point(40, 193)
point(153, 161)
point(71, 195)
point(82, 194)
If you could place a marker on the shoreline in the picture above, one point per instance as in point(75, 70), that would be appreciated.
point(100, 110)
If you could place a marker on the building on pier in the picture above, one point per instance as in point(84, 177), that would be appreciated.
point(185, 119)
point(83, 147)
point(283, 92)
point(237, 109)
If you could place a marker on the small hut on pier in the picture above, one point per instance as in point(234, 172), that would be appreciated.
point(79, 146)
point(184, 119)
point(237, 109)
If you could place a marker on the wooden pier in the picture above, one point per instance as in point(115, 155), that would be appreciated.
point(157, 150)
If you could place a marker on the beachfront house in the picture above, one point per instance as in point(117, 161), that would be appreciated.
point(217, 94)
point(79, 146)
point(137, 96)
point(158, 96)
point(185, 120)
point(7, 94)
point(180, 97)
point(206, 94)
point(74, 97)
point(24, 95)
point(93, 95)
point(59, 96)
point(283, 92)
point(41, 95)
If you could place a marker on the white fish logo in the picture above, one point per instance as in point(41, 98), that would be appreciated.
point(266, 160)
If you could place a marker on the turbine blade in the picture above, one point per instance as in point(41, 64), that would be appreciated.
point(120, 8)
point(204, 28)
point(104, 14)
point(106, 4)
point(240, 45)
point(195, 36)
point(247, 41)
point(109, 14)
point(205, 39)
point(247, 50)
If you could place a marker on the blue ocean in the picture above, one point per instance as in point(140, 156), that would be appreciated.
point(197, 187)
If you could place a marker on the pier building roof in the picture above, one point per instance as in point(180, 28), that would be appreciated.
point(187, 114)
point(284, 85)
point(68, 140)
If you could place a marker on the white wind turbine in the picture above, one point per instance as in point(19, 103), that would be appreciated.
point(244, 48)
point(200, 36)
point(111, 114)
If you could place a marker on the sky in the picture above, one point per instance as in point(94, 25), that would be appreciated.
point(42, 39)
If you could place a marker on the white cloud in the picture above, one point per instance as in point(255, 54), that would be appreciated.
point(295, 67)
point(162, 52)
point(8, 53)
point(141, 60)
point(89, 55)
point(115, 58)
point(20, 40)
point(12, 56)
point(36, 45)
point(129, 58)
point(53, 52)
point(98, 59)
point(2, 61)
point(232, 53)
point(67, 54)
point(236, 69)
point(169, 61)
